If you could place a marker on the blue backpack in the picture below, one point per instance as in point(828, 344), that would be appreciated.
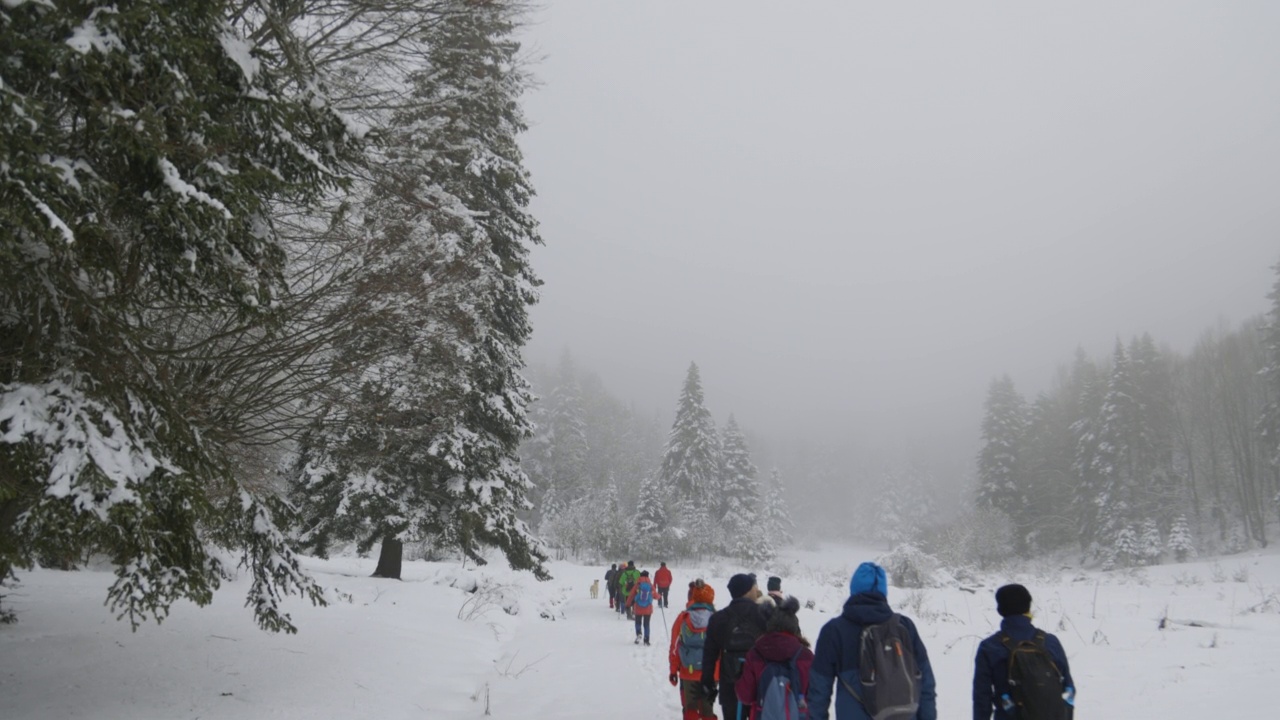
point(644, 596)
point(778, 695)
point(693, 638)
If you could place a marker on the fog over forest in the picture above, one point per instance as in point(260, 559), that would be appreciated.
point(854, 218)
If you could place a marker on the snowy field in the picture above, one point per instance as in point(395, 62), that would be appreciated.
point(434, 646)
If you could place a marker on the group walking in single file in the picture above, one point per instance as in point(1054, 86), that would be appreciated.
point(750, 660)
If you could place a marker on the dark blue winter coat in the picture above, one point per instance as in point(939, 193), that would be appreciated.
point(836, 655)
point(991, 667)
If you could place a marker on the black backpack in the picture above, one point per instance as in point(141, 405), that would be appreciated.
point(1035, 682)
point(742, 637)
point(889, 677)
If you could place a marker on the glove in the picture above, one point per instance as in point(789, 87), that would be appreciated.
point(672, 679)
point(711, 691)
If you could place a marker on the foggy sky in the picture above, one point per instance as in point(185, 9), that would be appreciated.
point(854, 215)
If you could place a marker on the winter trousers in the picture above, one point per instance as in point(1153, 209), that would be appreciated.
point(645, 619)
point(694, 701)
point(612, 593)
point(730, 710)
point(666, 596)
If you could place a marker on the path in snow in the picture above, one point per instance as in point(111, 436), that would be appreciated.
point(587, 665)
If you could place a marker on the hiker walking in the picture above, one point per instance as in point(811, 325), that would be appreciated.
point(775, 678)
point(774, 589)
point(731, 633)
point(662, 578)
point(1021, 671)
point(609, 585)
point(627, 577)
point(872, 658)
point(640, 603)
point(688, 638)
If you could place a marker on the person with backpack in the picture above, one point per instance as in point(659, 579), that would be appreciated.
point(731, 633)
point(627, 577)
point(662, 579)
point(1021, 672)
point(640, 602)
point(688, 638)
point(871, 659)
point(775, 679)
point(609, 585)
point(774, 589)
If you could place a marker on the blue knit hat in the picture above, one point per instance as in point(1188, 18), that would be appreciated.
point(869, 577)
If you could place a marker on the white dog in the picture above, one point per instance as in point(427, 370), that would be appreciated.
point(595, 588)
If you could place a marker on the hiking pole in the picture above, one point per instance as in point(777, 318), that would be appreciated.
point(662, 609)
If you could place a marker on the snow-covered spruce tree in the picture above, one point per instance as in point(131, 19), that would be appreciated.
point(740, 506)
point(1150, 546)
point(891, 519)
point(1180, 543)
point(1119, 424)
point(1157, 480)
point(776, 517)
point(423, 446)
point(650, 520)
point(1269, 419)
point(144, 146)
point(562, 443)
point(1002, 482)
point(1124, 552)
point(1087, 381)
point(691, 463)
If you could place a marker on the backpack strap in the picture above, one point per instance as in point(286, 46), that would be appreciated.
point(801, 700)
point(840, 666)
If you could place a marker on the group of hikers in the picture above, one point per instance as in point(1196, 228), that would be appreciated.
point(752, 658)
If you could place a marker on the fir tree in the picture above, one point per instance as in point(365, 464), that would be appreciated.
point(739, 510)
point(145, 146)
point(568, 437)
point(651, 519)
point(691, 462)
point(1269, 419)
point(776, 517)
point(1124, 552)
point(424, 444)
point(1002, 481)
point(1150, 546)
point(1114, 458)
point(1090, 390)
point(1180, 543)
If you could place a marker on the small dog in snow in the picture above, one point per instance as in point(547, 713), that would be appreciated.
point(595, 588)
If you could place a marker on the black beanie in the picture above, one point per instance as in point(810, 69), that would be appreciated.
point(775, 584)
point(741, 584)
point(1013, 600)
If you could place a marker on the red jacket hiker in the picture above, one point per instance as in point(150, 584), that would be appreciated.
point(772, 647)
point(631, 599)
point(662, 578)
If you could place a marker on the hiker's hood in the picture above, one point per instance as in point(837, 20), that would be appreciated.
point(699, 616)
point(867, 608)
point(778, 646)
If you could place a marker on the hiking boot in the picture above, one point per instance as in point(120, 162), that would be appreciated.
point(646, 642)
point(637, 639)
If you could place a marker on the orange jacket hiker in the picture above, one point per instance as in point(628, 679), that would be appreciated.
point(636, 591)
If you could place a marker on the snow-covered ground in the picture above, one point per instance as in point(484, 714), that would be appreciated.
point(429, 647)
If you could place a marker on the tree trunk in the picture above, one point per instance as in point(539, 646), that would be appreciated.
point(389, 558)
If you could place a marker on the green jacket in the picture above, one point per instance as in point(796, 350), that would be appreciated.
point(630, 575)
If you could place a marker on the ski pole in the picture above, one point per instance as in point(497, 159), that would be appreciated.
point(662, 609)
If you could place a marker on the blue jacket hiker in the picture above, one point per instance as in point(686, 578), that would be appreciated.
point(838, 652)
point(991, 667)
